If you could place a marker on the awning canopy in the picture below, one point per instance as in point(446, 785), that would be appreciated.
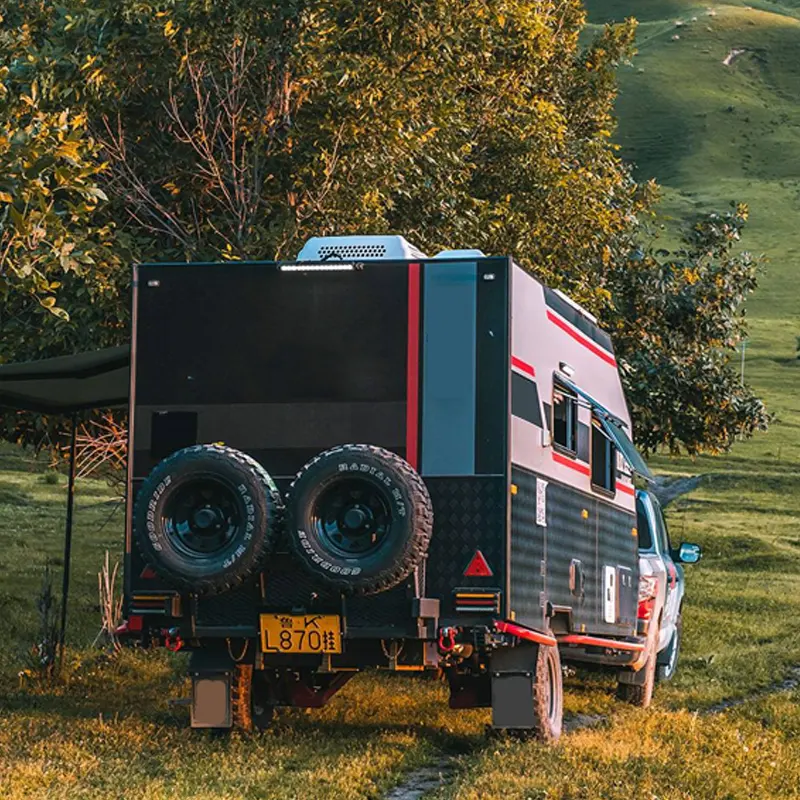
point(65, 384)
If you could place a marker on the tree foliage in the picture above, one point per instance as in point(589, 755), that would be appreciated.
point(200, 130)
point(55, 241)
point(677, 319)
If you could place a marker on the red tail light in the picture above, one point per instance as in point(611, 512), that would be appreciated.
point(648, 590)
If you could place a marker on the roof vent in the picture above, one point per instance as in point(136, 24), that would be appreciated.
point(461, 254)
point(361, 248)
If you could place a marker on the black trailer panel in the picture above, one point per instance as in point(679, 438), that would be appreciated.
point(561, 564)
point(252, 356)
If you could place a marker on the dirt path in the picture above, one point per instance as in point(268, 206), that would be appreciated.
point(668, 489)
point(788, 684)
point(424, 780)
point(440, 773)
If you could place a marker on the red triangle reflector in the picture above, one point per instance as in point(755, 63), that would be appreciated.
point(148, 572)
point(478, 567)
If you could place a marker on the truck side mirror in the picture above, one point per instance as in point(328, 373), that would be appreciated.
point(689, 553)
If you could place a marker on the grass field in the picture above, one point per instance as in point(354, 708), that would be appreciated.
point(711, 134)
point(111, 731)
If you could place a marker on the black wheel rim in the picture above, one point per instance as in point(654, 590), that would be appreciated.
point(352, 517)
point(202, 516)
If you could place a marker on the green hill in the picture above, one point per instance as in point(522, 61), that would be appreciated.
point(711, 132)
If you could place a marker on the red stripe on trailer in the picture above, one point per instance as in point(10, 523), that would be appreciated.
point(524, 633)
point(523, 366)
point(623, 487)
point(571, 463)
point(412, 378)
point(598, 641)
point(589, 345)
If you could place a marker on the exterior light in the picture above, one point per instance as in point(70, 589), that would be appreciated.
point(317, 267)
point(566, 369)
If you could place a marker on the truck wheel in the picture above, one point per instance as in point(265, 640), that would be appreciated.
point(206, 518)
point(511, 694)
point(359, 518)
point(667, 664)
point(636, 688)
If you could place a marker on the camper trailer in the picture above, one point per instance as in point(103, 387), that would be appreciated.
point(371, 458)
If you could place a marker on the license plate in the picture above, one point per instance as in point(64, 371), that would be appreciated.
point(306, 633)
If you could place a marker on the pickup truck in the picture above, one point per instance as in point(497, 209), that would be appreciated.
point(662, 587)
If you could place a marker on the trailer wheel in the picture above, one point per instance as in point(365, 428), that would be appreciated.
point(637, 688)
point(548, 692)
point(207, 517)
point(359, 518)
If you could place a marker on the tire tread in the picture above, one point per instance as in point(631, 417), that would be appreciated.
point(423, 527)
point(274, 505)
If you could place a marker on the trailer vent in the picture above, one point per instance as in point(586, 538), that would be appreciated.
point(352, 251)
point(362, 248)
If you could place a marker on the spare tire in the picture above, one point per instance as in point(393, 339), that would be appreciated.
point(207, 517)
point(359, 518)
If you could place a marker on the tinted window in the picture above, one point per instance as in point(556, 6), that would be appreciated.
point(565, 419)
point(604, 459)
point(643, 525)
point(525, 399)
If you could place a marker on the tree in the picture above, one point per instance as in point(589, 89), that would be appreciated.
point(49, 189)
point(244, 130)
point(239, 129)
point(676, 319)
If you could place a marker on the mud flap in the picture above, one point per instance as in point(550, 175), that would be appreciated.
point(211, 674)
point(211, 702)
point(513, 688)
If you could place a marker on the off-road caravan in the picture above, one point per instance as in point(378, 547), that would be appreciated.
point(372, 458)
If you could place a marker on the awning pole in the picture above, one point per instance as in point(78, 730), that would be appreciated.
point(68, 535)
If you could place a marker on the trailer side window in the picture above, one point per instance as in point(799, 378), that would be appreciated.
point(604, 459)
point(565, 419)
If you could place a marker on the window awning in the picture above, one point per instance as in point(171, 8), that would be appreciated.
point(625, 446)
point(66, 384)
point(614, 428)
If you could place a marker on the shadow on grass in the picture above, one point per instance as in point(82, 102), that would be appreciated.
point(12, 495)
point(289, 722)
